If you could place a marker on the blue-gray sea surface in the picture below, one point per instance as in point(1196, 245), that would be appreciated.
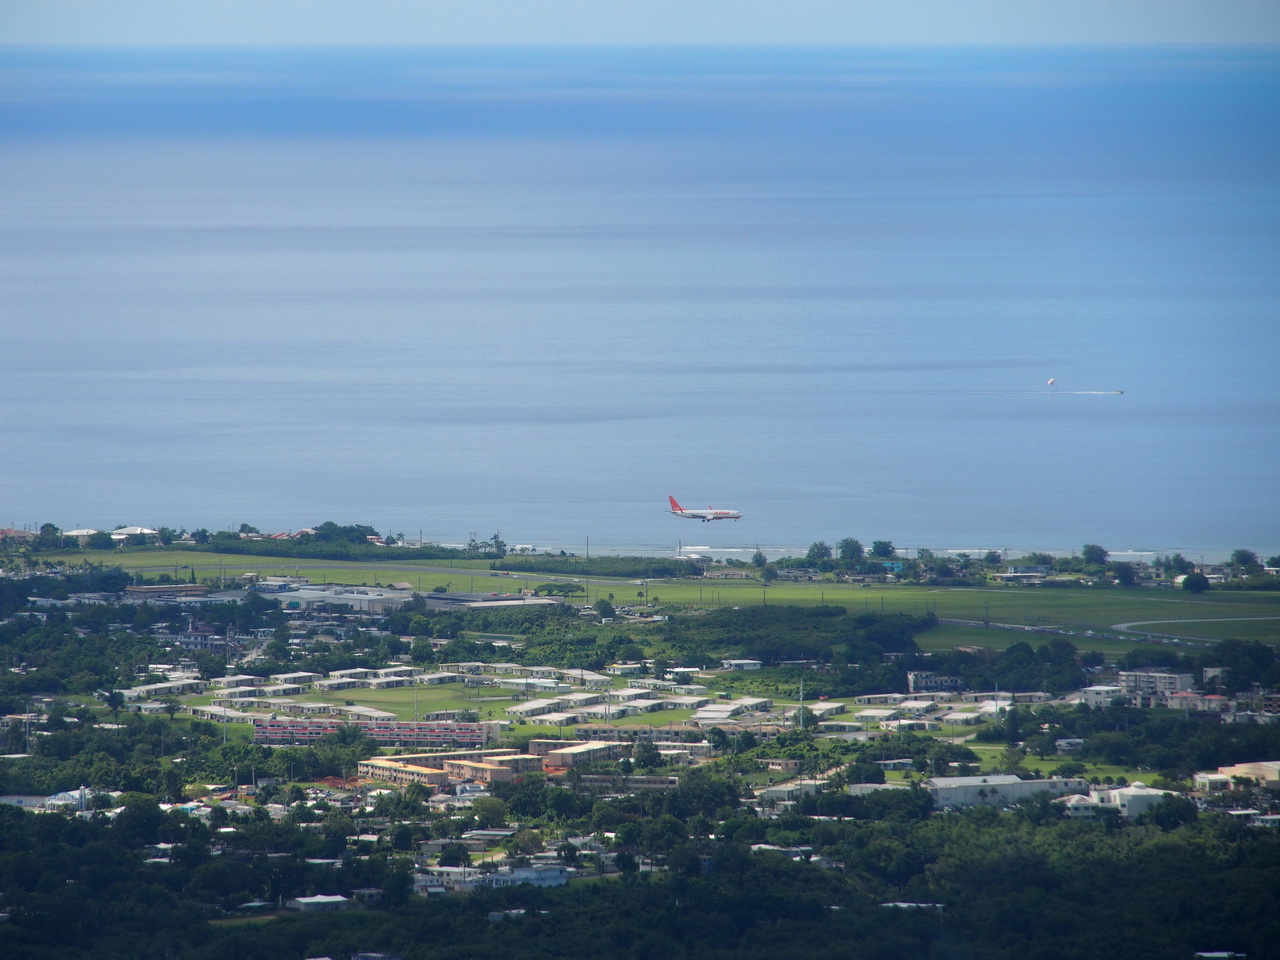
point(538, 291)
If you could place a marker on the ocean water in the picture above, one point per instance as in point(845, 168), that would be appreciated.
point(537, 291)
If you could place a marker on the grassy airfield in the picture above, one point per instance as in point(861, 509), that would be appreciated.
point(1154, 613)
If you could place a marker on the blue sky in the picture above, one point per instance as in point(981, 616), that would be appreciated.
point(274, 22)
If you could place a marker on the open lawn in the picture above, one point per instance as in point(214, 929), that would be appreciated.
point(991, 753)
point(1214, 615)
point(433, 698)
point(1138, 612)
point(947, 636)
point(245, 921)
point(468, 576)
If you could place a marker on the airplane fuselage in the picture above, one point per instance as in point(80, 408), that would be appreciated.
point(706, 516)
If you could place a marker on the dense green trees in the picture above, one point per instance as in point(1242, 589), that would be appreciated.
point(1195, 583)
point(1016, 884)
point(818, 552)
point(1093, 555)
point(851, 550)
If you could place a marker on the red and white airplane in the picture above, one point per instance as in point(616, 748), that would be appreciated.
point(704, 515)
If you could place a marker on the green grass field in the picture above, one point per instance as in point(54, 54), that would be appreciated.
point(1215, 615)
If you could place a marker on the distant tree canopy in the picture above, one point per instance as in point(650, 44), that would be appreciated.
point(330, 532)
point(882, 549)
point(818, 551)
point(1195, 583)
point(851, 550)
point(1124, 573)
point(330, 542)
point(1093, 555)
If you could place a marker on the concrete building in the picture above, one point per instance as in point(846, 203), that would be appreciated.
point(567, 756)
point(1212, 782)
point(1131, 801)
point(300, 677)
point(926, 681)
point(557, 718)
point(466, 879)
point(623, 694)
point(1154, 683)
point(281, 690)
point(625, 669)
point(320, 903)
point(790, 791)
point(879, 699)
point(1100, 695)
point(400, 773)
point(1265, 772)
point(876, 715)
point(359, 712)
point(961, 718)
point(997, 789)
point(169, 688)
point(533, 708)
point(478, 771)
point(237, 680)
point(352, 673)
point(391, 733)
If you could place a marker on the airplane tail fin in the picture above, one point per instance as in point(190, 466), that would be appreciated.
point(674, 506)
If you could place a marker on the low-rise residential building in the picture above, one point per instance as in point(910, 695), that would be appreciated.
point(431, 679)
point(359, 712)
point(568, 756)
point(1191, 702)
point(478, 771)
point(625, 669)
point(790, 791)
point(558, 718)
point(1100, 695)
point(926, 681)
point(879, 699)
point(916, 708)
point(320, 903)
point(333, 684)
point(606, 711)
point(220, 714)
point(429, 879)
point(169, 688)
point(237, 680)
point(1154, 683)
point(400, 773)
point(352, 673)
point(239, 693)
point(876, 715)
point(391, 733)
point(280, 690)
point(534, 708)
point(300, 677)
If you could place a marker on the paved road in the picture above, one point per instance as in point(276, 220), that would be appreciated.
point(1147, 623)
